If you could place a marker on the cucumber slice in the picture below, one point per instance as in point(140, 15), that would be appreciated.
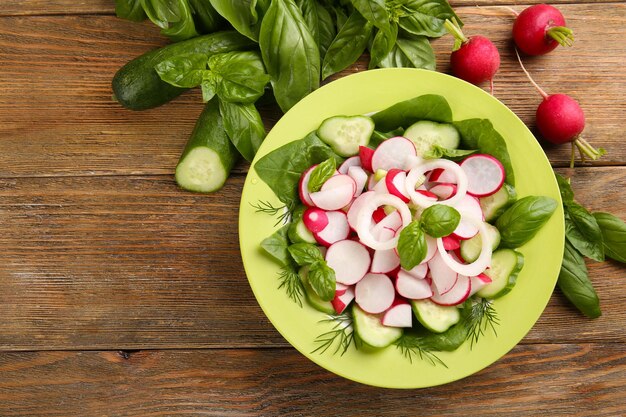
point(505, 265)
point(470, 248)
point(434, 317)
point(312, 297)
point(494, 205)
point(371, 331)
point(299, 233)
point(208, 156)
point(344, 134)
point(424, 134)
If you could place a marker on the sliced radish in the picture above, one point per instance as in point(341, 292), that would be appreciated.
point(349, 259)
point(303, 187)
point(360, 178)
point(371, 182)
point(356, 206)
point(340, 302)
point(456, 295)
point(394, 180)
point(443, 176)
point(379, 214)
point(374, 293)
point(418, 271)
point(391, 221)
point(381, 186)
point(339, 287)
point(451, 242)
point(429, 195)
point(444, 190)
point(478, 282)
point(411, 287)
point(476, 267)
point(393, 153)
point(353, 161)
point(336, 193)
point(485, 174)
point(382, 234)
point(365, 154)
point(336, 230)
point(315, 219)
point(364, 219)
point(468, 206)
point(384, 261)
point(431, 245)
point(442, 275)
point(416, 174)
point(398, 315)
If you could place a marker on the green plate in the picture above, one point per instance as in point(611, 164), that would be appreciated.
point(518, 311)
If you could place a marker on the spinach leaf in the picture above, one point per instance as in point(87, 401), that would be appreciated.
point(437, 151)
point(439, 220)
point(277, 246)
point(172, 16)
point(480, 134)
point(130, 10)
point(521, 222)
point(448, 341)
point(244, 127)
point(289, 52)
point(322, 279)
point(583, 232)
point(567, 194)
point(241, 14)
point(426, 17)
point(405, 113)
point(377, 137)
point(410, 53)
point(320, 23)
point(321, 173)
point(382, 45)
point(374, 11)
point(348, 45)
point(613, 235)
point(184, 71)
point(242, 76)
point(206, 18)
point(575, 284)
point(305, 254)
point(281, 169)
point(412, 246)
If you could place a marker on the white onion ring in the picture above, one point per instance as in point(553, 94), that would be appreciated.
point(365, 216)
point(480, 264)
point(416, 173)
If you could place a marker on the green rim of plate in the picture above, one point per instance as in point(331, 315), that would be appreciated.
point(368, 92)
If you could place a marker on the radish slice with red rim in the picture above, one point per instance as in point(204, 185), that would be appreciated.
point(336, 230)
point(480, 264)
point(393, 153)
point(348, 273)
point(456, 295)
point(478, 282)
point(395, 180)
point(341, 301)
point(385, 261)
point(411, 287)
point(374, 293)
point(353, 161)
point(303, 186)
point(398, 315)
point(444, 190)
point(365, 155)
point(485, 174)
point(418, 271)
point(444, 278)
point(360, 178)
point(356, 206)
point(468, 206)
point(416, 174)
point(364, 219)
point(315, 219)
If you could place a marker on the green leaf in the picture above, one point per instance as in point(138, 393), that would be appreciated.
point(277, 246)
point(375, 12)
point(412, 246)
point(410, 53)
point(242, 76)
point(439, 220)
point(321, 173)
point(426, 17)
point(437, 151)
point(173, 17)
point(521, 222)
point(305, 253)
point(185, 71)
point(583, 232)
point(244, 127)
point(383, 43)
point(574, 283)
point(567, 194)
point(613, 235)
point(130, 10)
point(289, 52)
point(210, 80)
point(348, 45)
point(405, 113)
point(206, 18)
point(241, 14)
point(322, 280)
point(320, 23)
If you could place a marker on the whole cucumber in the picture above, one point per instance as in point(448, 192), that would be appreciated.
point(137, 86)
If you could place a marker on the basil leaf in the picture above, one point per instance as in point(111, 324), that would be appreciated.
point(567, 194)
point(321, 173)
point(374, 11)
point(289, 52)
point(322, 279)
point(412, 246)
point(574, 283)
point(410, 53)
point(210, 80)
point(185, 71)
point(405, 113)
point(521, 222)
point(341, 16)
point(383, 43)
point(437, 151)
point(348, 45)
point(130, 10)
point(439, 220)
point(613, 235)
point(277, 246)
point(207, 19)
point(242, 76)
point(172, 16)
point(244, 127)
point(305, 253)
point(426, 17)
point(281, 169)
point(319, 22)
point(241, 14)
point(583, 232)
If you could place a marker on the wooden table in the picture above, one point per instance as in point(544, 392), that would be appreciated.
point(122, 295)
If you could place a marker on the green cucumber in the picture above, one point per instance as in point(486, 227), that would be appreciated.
point(344, 134)
point(371, 331)
point(434, 317)
point(208, 156)
point(424, 134)
point(494, 205)
point(470, 248)
point(505, 266)
point(137, 86)
point(299, 233)
point(314, 300)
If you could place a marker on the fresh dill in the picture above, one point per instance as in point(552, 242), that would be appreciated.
point(341, 335)
point(481, 315)
point(266, 207)
point(291, 282)
point(412, 347)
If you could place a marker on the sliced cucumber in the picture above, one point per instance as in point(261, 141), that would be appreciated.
point(299, 233)
point(470, 248)
point(434, 317)
point(311, 296)
point(371, 331)
point(505, 265)
point(344, 134)
point(494, 205)
point(424, 134)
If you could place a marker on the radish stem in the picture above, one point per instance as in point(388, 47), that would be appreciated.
point(455, 30)
point(515, 12)
point(563, 35)
point(539, 89)
point(572, 156)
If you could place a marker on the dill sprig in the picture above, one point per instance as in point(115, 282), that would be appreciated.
point(481, 315)
point(412, 347)
point(341, 335)
point(266, 207)
point(291, 282)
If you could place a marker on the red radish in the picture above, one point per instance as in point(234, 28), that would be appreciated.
point(339, 287)
point(443, 190)
point(365, 154)
point(418, 271)
point(360, 178)
point(443, 277)
point(416, 176)
point(540, 28)
point(336, 230)
point(364, 219)
point(442, 176)
point(356, 206)
point(485, 174)
point(474, 59)
point(393, 153)
point(349, 259)
point(560, 119)
point(303, 187)
point(353, 161)
point(478, 282)
point(391, 221)
point(336, 193)
point(457, 294)
point(379, 214)
point(374, 293)
point(384, 261)
point(431, 251)
point(315, 219)
point(451, 243)
point(382, 233)
point(340, 302)
point(395, 180)
point(430, 196)
point(468, 206)
point(381, 186)
point(398, 315)
point(411, 287)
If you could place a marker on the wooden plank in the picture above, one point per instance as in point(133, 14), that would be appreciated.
point(63, 122)
point(133, 262)
point(559, 380)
